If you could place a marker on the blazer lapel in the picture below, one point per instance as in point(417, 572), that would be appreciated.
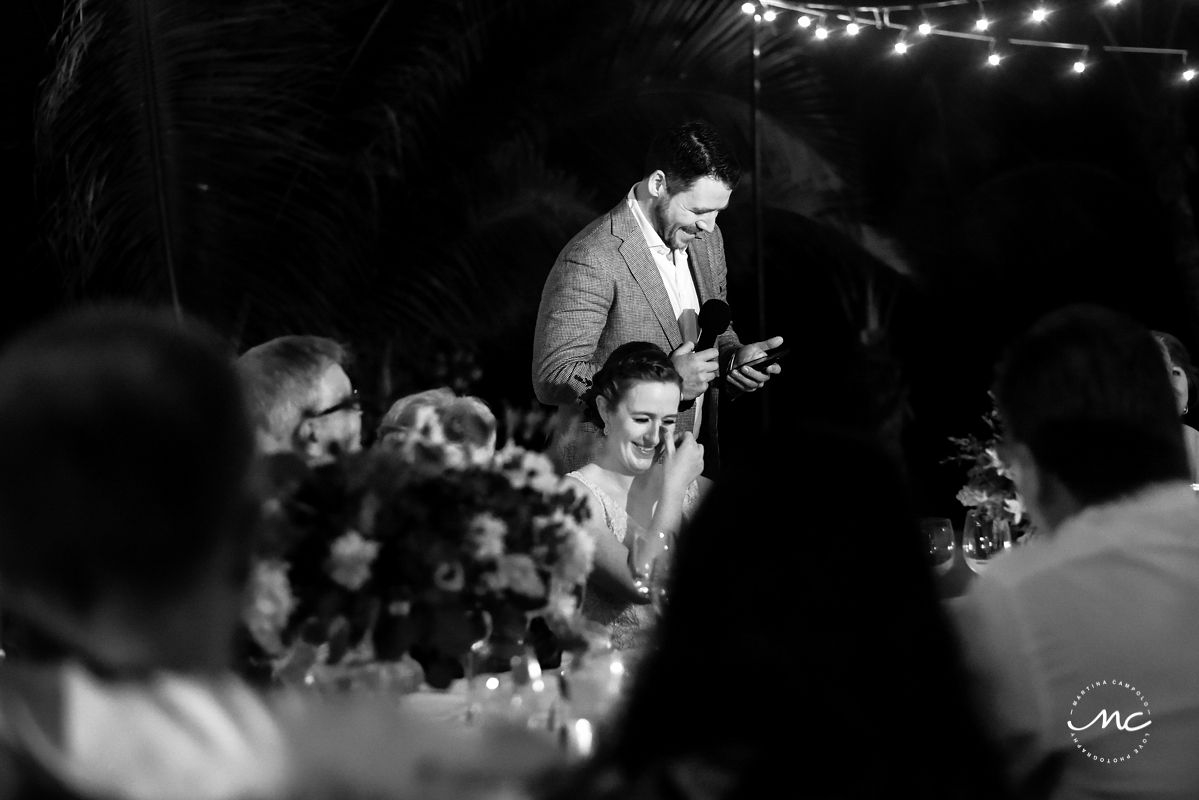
point(645, 271)
point(697, 258)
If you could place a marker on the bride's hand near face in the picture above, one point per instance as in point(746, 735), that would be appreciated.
point(681, 463)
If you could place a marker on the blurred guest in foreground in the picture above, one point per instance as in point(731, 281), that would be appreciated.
point(125, 518)
point(300, 396)
point(1182, 380)
point(465, 421)
point(636, 509)
point(812, 664)
point(1085, 646)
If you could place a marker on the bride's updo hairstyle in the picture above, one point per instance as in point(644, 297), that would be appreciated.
point(629, 364)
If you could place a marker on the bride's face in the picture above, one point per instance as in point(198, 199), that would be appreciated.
point(636, 424)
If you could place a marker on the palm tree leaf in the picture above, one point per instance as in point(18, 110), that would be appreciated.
point(182, 142)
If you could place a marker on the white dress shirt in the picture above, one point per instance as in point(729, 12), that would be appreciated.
point(675, 270)
point(1112, 595)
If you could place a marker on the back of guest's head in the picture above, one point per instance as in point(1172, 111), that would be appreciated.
point(407, 413)
point(125, 456)
point(809, 636)
point(1085, 391)
point(282, 379)
point(689, 152)
point(470, 421)
point(629, 364)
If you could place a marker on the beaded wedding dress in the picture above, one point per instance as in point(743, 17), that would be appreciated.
point(628, 623)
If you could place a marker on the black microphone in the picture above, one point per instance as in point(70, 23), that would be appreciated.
point(714, 318)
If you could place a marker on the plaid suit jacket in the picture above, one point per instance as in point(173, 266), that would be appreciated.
point(605, 290)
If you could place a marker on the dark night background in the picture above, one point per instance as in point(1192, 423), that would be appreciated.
point(917, 211)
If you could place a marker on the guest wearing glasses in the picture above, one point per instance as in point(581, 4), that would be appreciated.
point(1182, 380)
point(126, 519)
point(301, 398)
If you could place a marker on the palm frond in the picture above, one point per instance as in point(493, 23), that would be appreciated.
point(182, 141)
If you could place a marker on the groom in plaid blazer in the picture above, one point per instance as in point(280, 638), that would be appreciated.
point(641, 272)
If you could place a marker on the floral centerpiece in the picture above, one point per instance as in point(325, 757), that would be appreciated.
point(989, 489)
point(417, 554)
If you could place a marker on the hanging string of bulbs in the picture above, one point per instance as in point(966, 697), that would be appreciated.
point(825, 21)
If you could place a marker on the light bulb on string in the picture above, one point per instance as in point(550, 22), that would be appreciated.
point(901, 47)
point(1188, 74)
point(769, 15)
point(852, 29)
point(1039, 14)
point(804, 21)
point(748, 8)
point(982, 23)
point(1079, 66)
point(994, 58)
point(821, 32)
point(925, 28)
point(1113, 3)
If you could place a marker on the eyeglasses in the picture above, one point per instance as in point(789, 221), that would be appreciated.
point(349, 403)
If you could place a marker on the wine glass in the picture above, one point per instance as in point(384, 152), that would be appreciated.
point(938, 533)
point(658, 579)
point(983, 539)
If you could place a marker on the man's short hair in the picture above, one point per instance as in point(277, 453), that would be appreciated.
point(1086, 391)
point(282, 377)
point(125, 455)
point(689, 152)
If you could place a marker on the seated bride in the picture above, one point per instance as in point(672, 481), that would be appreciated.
point(639, 483)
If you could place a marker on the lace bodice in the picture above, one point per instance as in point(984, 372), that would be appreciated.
point(627, 622)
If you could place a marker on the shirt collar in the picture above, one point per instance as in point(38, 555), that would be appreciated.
point(652, 239)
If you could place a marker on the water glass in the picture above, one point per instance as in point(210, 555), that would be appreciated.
point(983, 540)
point(938, 534)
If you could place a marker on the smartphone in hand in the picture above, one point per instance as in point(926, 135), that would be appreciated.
point(773, 356)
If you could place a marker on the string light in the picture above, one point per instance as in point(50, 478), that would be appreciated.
point(1080, 65)
point(982, 23)
point(993, 57)
point(809, 13)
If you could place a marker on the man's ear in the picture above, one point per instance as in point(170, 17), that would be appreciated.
point(306, 430)
point(1046, 498)
point(655, 184)
point(307, 437)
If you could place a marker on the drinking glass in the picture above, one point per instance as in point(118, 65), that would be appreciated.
point(658, 589)
point(938, 533)
point(982, 540)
